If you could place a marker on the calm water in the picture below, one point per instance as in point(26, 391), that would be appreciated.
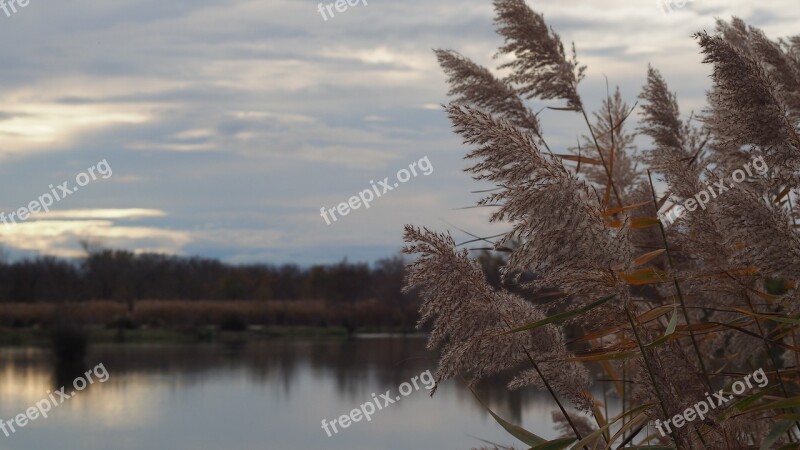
point(262, 395)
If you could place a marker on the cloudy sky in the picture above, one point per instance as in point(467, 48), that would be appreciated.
point(228, 124)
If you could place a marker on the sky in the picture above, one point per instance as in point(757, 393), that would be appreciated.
point(223, 127)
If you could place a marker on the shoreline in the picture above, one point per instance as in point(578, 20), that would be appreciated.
point(38, 337)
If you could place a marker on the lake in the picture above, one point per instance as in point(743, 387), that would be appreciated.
point(256, 395)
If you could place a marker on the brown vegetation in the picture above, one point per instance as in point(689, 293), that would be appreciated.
point(672, 314)
point(179, 314)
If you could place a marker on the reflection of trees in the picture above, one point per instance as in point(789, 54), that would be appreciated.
point(356, 366)
point(508, 404)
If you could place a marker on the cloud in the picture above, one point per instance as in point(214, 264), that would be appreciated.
point(28, 126)
point(63, 237)
point(242, 118)
point(129, 213)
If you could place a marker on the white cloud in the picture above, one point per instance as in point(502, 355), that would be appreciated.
point(62, 237)
point(128, 213)
point(245, 117)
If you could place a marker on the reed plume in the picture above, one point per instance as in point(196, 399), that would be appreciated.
point(666, 313)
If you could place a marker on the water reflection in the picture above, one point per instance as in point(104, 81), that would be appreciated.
point(254, 395)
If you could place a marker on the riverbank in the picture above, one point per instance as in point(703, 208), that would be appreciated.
point(188, 321)
point(15, 337)
point(234, 314)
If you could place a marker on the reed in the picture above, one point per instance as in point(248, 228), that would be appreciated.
point(668, 314)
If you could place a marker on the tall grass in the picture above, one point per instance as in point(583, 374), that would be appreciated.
point(670, 313)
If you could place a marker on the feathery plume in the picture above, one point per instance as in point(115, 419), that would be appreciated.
point(470, 319)
point(476, 86)
point(707, 270)
point(540, 68)
point(745, 110)
point(616, 145)
point(531, 184)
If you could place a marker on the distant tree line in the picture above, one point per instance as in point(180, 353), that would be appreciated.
point(125, 276)
point(356, 294)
